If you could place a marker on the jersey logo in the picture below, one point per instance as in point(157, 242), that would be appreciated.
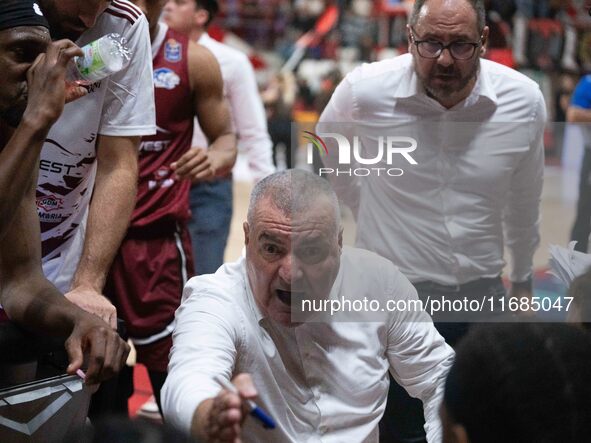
point(161, 179)
point(50, 203)
point(173, 51)
point(166, 78)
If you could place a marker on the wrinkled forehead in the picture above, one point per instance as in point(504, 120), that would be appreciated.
point(312, 229)
point(274, 223)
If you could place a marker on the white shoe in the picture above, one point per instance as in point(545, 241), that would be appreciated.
point(150, 407)
point(150, 411)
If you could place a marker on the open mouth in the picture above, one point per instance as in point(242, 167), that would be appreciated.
point(445, 77)
point(286, 296)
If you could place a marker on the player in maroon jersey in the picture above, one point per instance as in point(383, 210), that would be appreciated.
point(155, 259)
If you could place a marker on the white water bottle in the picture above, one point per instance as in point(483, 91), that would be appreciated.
point(101, 58)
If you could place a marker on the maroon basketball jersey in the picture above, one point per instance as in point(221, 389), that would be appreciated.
point(161, 197)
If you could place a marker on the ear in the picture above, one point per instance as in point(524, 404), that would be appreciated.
point(201, 17)
point(485, 34)
point(409, 38)
point(341, 237)
point(246, 229)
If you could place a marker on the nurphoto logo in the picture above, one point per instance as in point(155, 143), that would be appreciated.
point(379, 163)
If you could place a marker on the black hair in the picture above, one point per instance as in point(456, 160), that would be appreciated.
point(211, 6)
point(526, 383)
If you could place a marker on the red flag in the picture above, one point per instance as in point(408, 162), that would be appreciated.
point(323, 25)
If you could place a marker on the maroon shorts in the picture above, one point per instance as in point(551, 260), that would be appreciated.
point(146, 283)
point(155, 355)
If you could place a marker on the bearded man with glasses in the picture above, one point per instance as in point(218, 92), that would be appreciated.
point(474, 187)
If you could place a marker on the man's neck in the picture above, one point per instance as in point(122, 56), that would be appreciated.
point(196, 34)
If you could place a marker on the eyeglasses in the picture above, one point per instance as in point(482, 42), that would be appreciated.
point(433, 49)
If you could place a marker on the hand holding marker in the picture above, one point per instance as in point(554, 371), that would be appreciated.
point(256, 411)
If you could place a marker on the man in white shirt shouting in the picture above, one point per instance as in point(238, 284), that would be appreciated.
point(321, 380)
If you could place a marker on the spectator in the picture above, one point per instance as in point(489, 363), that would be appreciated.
point(279, 98)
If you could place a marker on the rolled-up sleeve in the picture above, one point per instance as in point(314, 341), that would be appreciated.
point(204, 345)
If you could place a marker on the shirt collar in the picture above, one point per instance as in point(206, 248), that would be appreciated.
point(258, 315)
point(483, 87)
point(410, 86)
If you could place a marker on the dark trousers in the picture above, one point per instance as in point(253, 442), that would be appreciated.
point(582, 226)
point(280, 133)
point(403, 420)
point(157, 380)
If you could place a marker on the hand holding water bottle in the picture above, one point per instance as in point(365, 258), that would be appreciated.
point(46, 87)
point(100, 59)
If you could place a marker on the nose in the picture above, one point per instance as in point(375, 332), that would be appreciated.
point(91, 11)
point(289, 269)
point(445, 58)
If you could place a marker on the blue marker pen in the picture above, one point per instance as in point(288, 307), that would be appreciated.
point(255, 410)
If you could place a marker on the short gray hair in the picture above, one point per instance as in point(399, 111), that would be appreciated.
point(477, 5)
point(293, 191)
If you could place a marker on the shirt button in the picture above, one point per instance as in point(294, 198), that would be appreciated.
point(323, 429)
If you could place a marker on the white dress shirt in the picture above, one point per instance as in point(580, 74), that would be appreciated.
point(479, 173)
point(246, 109)
point(322, 382)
